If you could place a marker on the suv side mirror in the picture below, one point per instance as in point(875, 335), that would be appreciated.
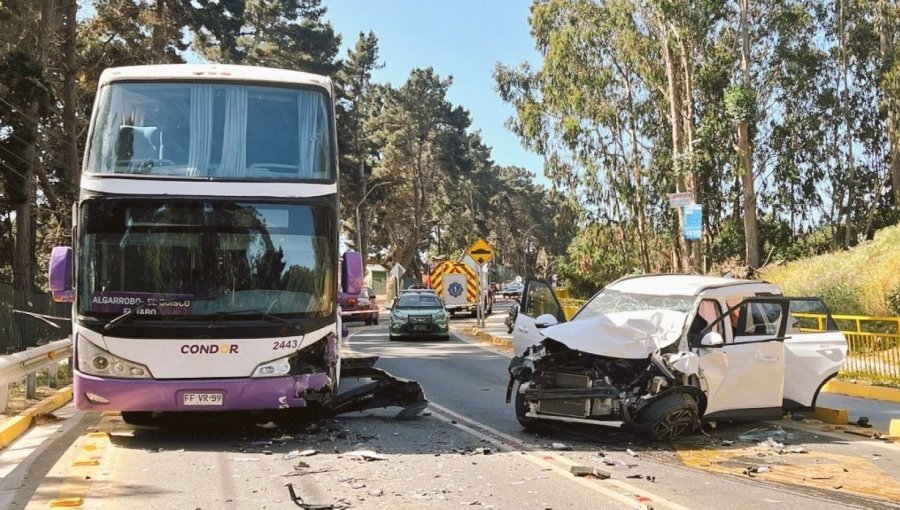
point(545, 321)
point(712, 339)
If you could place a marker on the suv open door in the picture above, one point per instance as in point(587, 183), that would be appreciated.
point(540, 309)
point(743, 371)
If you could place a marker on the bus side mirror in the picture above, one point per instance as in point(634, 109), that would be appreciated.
point(352, 272)
point(60, 274)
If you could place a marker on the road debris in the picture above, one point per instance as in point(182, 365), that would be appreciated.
point(590, 472)
point(337, 505)
point(267, 425)
point(775, 433)
point(631, 452)
point(756, 469)
point(293, 454)
point(260, 444)
point(560, 446)
point(367, 455)
point(863, 422)
point(727, 442)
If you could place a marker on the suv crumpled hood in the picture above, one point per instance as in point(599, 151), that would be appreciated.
point(626, 335)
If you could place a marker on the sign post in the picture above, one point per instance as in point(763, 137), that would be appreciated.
point(482, 253)
point(397, 272)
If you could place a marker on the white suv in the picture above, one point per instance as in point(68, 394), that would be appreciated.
point(660, 353)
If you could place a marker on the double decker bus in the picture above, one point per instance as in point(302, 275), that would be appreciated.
point(205, 241)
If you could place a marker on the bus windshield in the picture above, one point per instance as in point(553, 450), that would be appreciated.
point(212, 131)
point(206, 257)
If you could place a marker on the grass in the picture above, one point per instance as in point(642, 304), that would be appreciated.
point(862, 281)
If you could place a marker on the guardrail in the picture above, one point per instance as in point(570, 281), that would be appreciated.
point(570, 306)
point(27, 363)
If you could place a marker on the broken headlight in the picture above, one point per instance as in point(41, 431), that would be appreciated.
point(308, 360)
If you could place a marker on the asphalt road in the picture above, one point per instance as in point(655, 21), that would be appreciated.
point(466, 451)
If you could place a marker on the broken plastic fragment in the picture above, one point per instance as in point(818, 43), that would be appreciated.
point(366, 455)
point(776, 433)
point(631, 452)
point(267, 425)
point(561, 446)
point(589, 471)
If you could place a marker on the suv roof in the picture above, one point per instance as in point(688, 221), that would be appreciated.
point(678, 284)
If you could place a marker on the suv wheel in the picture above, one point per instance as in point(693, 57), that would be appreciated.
point(521, 409)
point(671, 416)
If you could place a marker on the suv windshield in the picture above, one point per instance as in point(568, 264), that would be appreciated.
point(612, 301)
point(419, 301)
point(202, 258)
point(212, 131)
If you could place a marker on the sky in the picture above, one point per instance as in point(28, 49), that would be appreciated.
point(459, 38)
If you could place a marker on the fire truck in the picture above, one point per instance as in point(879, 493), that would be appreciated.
point(459, 285)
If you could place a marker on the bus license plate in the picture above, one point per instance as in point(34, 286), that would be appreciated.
point(202, 399)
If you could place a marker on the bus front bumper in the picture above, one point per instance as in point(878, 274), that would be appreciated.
point(241, 394)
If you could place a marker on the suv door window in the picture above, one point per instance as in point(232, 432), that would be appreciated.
point(758, 319)
point(541, 300)
point(707, 313)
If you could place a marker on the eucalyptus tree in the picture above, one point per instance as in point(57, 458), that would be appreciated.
point(357, 147)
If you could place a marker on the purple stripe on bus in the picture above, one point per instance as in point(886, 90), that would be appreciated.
point(167, 395)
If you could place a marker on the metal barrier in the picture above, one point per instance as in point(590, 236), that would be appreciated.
point(27, 363)
point(873, 343)
point(570, 306)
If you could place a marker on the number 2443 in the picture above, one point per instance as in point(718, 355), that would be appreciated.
point(285, 344)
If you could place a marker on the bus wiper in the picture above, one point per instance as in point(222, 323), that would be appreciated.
point(127, 315)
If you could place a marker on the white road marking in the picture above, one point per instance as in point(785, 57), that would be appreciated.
point(537, 457)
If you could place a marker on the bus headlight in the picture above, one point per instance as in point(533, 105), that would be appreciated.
point(275, 368)
point(93, 360)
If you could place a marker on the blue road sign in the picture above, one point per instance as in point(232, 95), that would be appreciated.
point(693, 222)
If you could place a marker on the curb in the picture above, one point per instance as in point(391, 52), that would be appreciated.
point(486, 337)
point(862, 390)
point(14, 427)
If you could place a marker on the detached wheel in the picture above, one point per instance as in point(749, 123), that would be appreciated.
point(669, 417)
point(144, 418)
point(521, 405)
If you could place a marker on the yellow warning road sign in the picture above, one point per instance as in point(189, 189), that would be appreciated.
point(481, 251)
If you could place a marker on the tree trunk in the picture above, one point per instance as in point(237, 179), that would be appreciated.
point(158, 32)
point(751, 236)
point(70, 126)
point(848, 130)
point(886, 29)
point(694, 247)
point(677, 137)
